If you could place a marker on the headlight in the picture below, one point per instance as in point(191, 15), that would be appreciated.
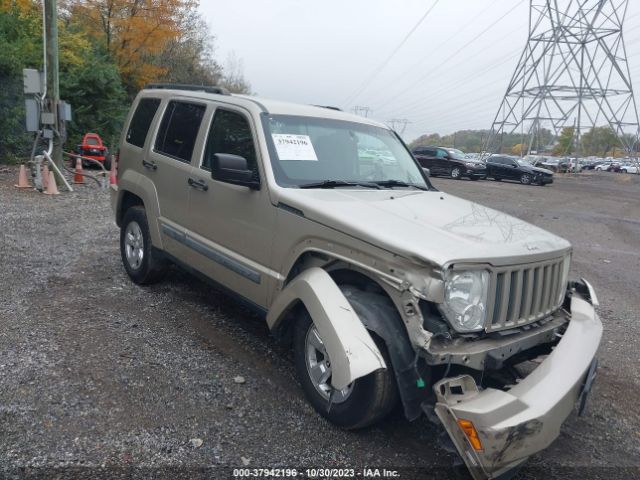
point(465, 299)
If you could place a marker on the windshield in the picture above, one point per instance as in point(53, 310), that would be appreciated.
point(457, 154)
point(306, 151)
point(523, 163)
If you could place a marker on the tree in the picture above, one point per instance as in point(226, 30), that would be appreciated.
point(233, 76)
point(565, 142)
point(599, 141)
point(189, 58)
point(133, 32)
point(519, 149)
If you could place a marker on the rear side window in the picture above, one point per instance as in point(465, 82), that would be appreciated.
point(141, 121)
point(179, 129)
point(230, 133)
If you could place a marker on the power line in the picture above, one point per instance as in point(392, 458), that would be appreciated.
point(407, 72)
point(373, 75)
point(437, 67)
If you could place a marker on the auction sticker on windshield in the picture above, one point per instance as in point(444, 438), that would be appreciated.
point(294, 147)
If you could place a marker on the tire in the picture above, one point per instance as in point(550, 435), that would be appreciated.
point(525, 179)
point(456, 173)
point(107, 162)
point(366, 401)
point(141, 260)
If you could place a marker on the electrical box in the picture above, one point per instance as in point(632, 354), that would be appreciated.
point(33, 81)
point(47, 118)
point(47, 133)
point(64, 112)
point(31, 115)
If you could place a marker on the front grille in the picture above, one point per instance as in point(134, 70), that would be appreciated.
point(522, 294)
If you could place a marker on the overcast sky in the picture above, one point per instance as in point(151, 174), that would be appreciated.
point(449, 75)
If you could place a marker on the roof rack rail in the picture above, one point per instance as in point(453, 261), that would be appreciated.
point(193, 88)
point(329, 107)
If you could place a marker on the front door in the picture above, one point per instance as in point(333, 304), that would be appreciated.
point(231, 226)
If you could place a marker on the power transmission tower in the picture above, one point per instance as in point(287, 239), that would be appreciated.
point(573, 72)
point(362, 111)
point(398, 124)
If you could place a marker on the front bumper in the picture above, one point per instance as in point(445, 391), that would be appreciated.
point(513, 425)
point(544, 180)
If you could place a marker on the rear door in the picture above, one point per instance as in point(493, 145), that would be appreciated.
point(169, 166)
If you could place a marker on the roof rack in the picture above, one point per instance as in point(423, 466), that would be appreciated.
point(193, 88)
point(329, 107)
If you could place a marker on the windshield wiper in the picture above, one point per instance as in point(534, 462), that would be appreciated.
point(339, 183)
point(400, 183)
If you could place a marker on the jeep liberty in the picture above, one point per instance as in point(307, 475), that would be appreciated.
point(388, 290)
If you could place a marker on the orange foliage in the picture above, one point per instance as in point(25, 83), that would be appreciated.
point(132, 31)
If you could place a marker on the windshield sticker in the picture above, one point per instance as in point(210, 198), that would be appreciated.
point(294, 147)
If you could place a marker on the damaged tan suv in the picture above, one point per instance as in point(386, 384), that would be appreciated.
point(387, 289)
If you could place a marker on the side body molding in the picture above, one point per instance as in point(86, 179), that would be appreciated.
point(353, 352)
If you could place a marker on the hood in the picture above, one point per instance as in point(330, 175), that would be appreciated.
point(433, 227)
point(541, 170)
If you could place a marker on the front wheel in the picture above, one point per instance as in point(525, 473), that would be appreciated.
point(456, 173)
point(362, 403)
point(525, 179)
point(141, 261)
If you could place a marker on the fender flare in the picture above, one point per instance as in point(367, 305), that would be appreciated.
point(353, 352)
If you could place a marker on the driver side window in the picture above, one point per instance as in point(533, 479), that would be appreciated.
point(441, 153)
point(230, 133)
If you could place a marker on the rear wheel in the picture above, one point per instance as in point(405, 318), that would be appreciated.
point(364, 402)
point(456, 173)
point(143, 263)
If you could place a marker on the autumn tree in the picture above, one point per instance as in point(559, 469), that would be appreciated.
point(133, 32)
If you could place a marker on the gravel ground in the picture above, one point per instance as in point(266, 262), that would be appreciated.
point(100, 377)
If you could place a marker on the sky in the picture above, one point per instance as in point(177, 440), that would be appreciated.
point(449, 73)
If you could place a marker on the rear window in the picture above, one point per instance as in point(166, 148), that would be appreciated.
point(179, 129)
point(91, 141)
point(141, 121)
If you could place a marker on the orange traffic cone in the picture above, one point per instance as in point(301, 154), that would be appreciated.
point(78, 177)
point(52, 186)
point(22, 178)
point(45, 176)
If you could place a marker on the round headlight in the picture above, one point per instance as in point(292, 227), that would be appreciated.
point(465, 299)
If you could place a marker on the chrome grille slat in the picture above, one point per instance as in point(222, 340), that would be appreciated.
point(522, 294)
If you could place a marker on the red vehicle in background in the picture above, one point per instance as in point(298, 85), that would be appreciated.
point(93, 148)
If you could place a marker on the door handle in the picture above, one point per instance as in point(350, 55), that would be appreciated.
point(199, 184)
point(149, 165)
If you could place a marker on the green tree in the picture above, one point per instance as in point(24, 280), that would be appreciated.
point(599, 141)
point(565, 142)
point(98, 98)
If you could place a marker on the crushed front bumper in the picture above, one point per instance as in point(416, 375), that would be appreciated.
point(513, 425)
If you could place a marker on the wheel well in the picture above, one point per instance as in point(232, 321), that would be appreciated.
point(342, 276)
point(128, 200)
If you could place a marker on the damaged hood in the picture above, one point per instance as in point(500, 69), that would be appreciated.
point(432, 227)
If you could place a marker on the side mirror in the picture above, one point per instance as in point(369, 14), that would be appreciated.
point(233, 169)
point(426, 171)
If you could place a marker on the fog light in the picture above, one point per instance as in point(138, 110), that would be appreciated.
point(470, 431)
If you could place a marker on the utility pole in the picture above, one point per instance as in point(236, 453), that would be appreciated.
point(51, 34)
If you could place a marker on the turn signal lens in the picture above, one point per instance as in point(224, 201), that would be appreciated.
point(470, 431)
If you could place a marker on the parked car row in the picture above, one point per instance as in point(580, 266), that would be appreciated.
point(450, 162)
